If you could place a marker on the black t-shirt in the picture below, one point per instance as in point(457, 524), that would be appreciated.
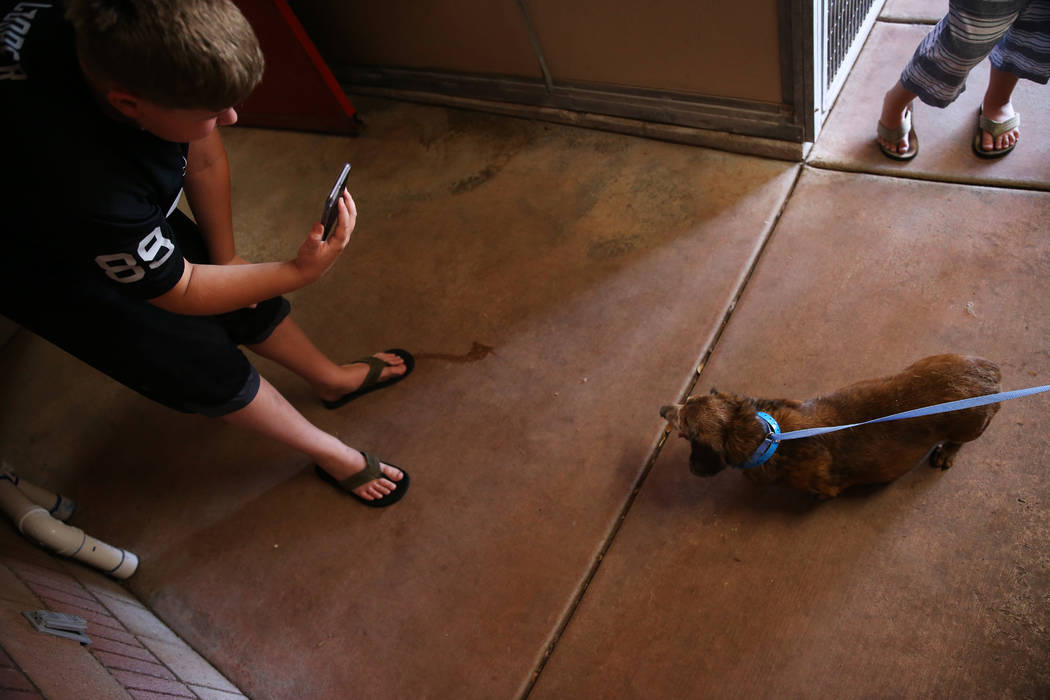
point(85, 196)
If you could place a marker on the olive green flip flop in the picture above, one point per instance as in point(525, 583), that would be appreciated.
point(372, 381)
point(369, 473)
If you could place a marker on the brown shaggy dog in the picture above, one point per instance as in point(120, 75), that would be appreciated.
point(725, 431)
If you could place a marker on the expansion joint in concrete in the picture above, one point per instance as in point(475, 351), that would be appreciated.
point(607, 542)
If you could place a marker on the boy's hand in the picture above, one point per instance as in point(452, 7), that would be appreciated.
point(214, 289)
point(316, 256)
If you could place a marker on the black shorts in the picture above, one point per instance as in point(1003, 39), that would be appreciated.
point(188, 363)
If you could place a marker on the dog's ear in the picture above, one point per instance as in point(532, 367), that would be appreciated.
point(702, 419)
point(714, 391)
point(704, 460)
point(743, 432)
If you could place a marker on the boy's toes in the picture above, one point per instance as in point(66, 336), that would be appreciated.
point(375, 489)
point(391, 473)
point(381, 487)
point(391, 359)
point(395, 366)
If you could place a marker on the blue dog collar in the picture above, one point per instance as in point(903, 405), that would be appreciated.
point(769, 444)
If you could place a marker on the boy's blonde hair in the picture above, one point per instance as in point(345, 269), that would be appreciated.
point(183, 54)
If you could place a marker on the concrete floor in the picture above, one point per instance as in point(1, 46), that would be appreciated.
point(558, 286)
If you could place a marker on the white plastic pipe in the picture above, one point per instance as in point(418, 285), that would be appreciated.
point(58, 506)
point(36, 523)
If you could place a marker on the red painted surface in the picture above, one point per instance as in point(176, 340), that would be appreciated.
point(298, 91)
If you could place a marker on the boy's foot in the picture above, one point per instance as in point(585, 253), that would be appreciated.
point(999, 130)
point(385, 487)
point(366, 375)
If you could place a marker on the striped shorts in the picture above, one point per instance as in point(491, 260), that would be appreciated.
point(1013, 34)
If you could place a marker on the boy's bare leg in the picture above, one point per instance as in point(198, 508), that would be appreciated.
point(290, 347)
point(271, 415)
point(894, 103)
point(997, 107)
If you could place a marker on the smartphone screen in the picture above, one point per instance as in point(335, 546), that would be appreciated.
point(331, 205)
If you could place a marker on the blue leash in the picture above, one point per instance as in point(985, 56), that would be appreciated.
point(774, 437)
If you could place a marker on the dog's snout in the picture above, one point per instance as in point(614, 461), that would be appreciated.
point(668, 412)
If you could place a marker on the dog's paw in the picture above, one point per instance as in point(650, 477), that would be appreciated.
point(941, 459)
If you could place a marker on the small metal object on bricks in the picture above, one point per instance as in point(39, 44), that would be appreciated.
point(58, 624)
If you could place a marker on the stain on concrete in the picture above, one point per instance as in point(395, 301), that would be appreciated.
point(476, 180)
point(477, 352)
point(612, 248)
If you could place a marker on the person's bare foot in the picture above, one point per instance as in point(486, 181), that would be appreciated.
point(351, 376)
point(891, 118)
point(997, 107)
point(998, 113)
point(351, 463)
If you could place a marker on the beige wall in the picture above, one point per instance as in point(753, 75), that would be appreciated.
point(723, 49)
point(708, 48)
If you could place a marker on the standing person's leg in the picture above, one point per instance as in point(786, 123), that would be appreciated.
point(892, 136)
point(937, 72)
point(1024, 52)
point(271, 415)
point(998, 108)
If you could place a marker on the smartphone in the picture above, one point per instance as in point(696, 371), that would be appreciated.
point(331, 205)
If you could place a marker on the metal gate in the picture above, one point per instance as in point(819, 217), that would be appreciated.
point(846, 26)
